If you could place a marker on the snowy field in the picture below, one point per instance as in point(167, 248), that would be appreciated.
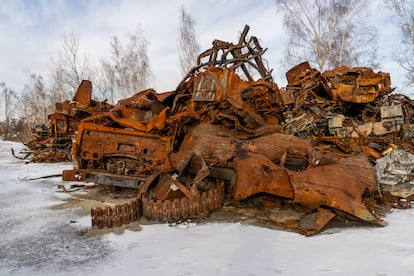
point(37, 240)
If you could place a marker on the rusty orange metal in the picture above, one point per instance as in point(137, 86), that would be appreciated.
point(358, 84)
point(53, 143)
point(224, 136)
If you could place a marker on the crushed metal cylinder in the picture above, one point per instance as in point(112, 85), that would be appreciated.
point(224, 138)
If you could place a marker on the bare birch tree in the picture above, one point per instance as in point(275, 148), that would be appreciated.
point(127, 71)
point(328, 33)
point(404, 18)
point(70, 67)
point(8, 100)
point(35, 102)
point(189, 47)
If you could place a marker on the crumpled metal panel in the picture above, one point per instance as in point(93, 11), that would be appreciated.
point(322, 185)
point(143, 106)
point(257, 174)
point(306, 78)
point(339, 185)
point(358, 85)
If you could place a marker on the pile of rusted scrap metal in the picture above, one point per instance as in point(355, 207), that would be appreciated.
point(351, 108)
point(53, 143)
point(223, 138)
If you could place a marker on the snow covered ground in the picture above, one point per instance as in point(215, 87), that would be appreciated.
point(37, 240)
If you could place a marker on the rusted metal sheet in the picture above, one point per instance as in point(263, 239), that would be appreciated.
point(74, 175)
point(314, 222)
point(224, 135)
point(358, 84)
point(340, 185)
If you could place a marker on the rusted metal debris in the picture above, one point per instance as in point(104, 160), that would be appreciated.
point(229, 134)
point(395, 173)
point(53, 143)
point(349, 108)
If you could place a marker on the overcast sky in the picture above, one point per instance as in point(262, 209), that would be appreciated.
point(31, 31)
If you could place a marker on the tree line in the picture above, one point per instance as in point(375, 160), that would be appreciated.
point(125, 72)
point(327, 33)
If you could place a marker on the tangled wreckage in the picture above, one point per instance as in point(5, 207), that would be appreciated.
point(229, 137)
point(54, 143)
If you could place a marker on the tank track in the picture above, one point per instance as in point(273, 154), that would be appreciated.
point(117, 215)
point(158, 210)
point(183, 208)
